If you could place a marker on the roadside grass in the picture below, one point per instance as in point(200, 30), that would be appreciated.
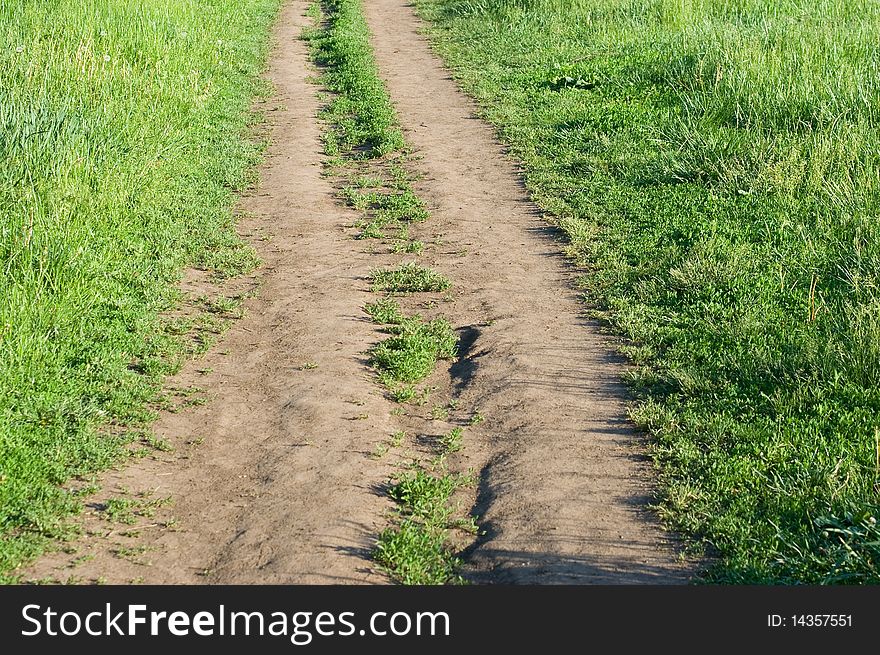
point(715, 166)
point(124, 137)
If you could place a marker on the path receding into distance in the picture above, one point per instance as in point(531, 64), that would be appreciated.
point(281, 487)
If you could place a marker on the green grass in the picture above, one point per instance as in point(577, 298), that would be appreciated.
point(362, 135)
point(361, 118)
point(123, 136)
point(385, 311)
point(451, 442)
point(369, 157)
point(416, 554)
point(716, 165)
point(411, 354)
point(386, 209)
point(415, 550)
point(409, 278)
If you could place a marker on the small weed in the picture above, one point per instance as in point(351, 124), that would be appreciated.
point(222, 305)
point(451, 441)
point(417, 555)
point(82, 559)
point(158, 443)
point(120, 510)
point(401, 393)
point(385, 311)
point(133, 554)
point(127, 510)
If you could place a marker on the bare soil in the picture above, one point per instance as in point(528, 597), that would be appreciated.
point(272, 481)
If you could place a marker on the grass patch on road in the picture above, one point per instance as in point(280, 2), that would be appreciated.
point(411, 354)
point(409, 278)
point(123, 137)
point(715, 165)
point(360, 116)
point(415, 550)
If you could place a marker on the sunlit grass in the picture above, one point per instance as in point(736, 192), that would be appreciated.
point(716, 163)
point(123, 137)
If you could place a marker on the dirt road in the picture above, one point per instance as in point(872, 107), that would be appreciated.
point(282, 488)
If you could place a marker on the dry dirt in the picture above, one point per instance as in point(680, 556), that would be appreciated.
point(272, 480)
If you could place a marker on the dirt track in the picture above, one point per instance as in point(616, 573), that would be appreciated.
point(282, 489)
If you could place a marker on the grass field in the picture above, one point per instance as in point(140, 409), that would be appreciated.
point(123, 136)
point(716, 166)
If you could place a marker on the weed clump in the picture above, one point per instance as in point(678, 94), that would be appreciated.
point(411, 354)
point(415, 551)
point(409, 278)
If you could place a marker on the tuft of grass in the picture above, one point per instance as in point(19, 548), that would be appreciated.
point(415, 551)
point(451, 441)
point(439, 413)
point(714, 164)
point(397, 439)
point(417, 555)
point(411, 354)
point(124, 136)
point(410, 277)
point(121, 510)
point(385, 311)
point(127, 510)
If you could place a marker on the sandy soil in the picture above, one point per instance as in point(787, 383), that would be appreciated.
point(272, 481)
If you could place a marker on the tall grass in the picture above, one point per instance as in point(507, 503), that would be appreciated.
point(122, 140)
point(716, 163)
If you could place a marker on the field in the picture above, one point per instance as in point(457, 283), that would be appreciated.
point(123, 136)
point(715, 165)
